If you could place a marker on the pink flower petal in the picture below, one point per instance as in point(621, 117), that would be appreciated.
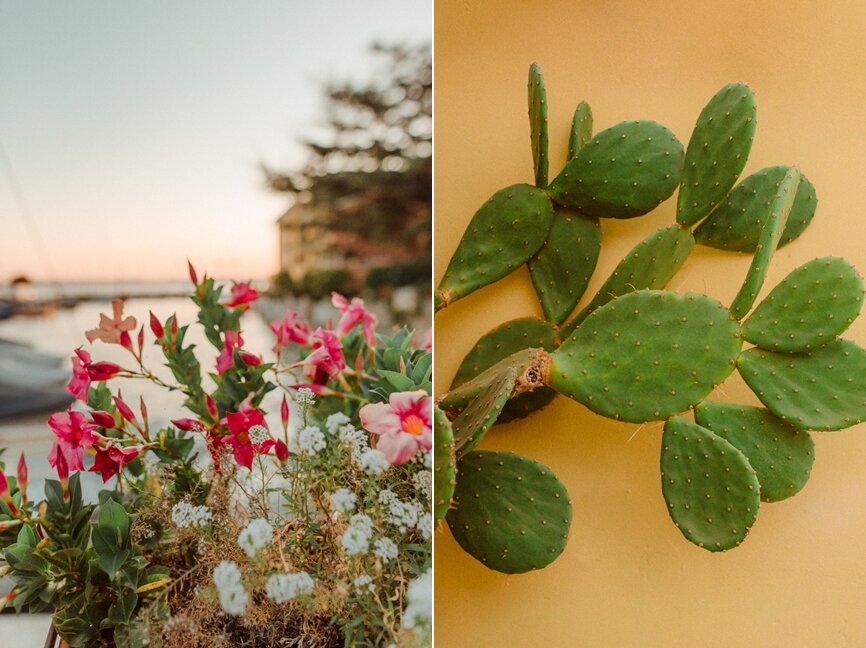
point(397, 448)
point(380, 418)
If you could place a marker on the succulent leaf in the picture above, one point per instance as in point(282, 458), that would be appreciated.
point(624, 171)
point(503, 235)
point(780, 208)
point(647, 355)
point(737, 223)
point(481, 413)
point(562, 268)
point(510, 512)
point(538, 124)
point(823, 389)
point(710, 488)
point(781, 454)
point(812, 306)
point(717, 152)
point(444, 464)
point(581, 129)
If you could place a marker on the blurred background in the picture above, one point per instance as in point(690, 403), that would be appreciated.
point(287, 143)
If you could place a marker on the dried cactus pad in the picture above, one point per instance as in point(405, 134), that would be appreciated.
point(474, 421)
point(444, 464)
point(780, 208)
point(824, 389)
point(652, 263)
point(717, 152)
point(737, 223)
point(647, 355)
point(538, 124)
point(622, 172)
point(562, 268)
point(498, 344)
point(581, 129)
point(710, 488)
point(510, 512)
point(503, 235)
point(812, 306)
point(459, 397)
point(781, 455)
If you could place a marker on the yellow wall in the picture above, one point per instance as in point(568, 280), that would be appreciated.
point(627, 576)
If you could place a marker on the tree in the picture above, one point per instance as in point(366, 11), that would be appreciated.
point(369, 177)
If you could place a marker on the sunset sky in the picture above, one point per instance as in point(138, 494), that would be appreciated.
point(135, 129)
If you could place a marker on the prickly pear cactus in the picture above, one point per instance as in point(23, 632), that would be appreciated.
point(637, 352)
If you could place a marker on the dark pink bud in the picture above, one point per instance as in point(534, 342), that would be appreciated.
point(250, 359)
point(125, 340)
point(187, 424)
point(102, 370)
point(22, 477)
point(174, 325)
point(141, 338)
point(123, 408)
point(211, 407)
point(284, 412)
point(192, 273)
point(156, 326)
point(143, 409)
point(103, 419)
point(282, 451)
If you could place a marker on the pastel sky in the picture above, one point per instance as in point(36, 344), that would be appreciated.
point(135, 129)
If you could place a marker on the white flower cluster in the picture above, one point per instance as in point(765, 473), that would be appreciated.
point(258, 434)
point(255, 536)
point(386, 549)
point(403, 515)
point(355, 439)
point(419, 602)
point(373, 463)
point(364, 582)
point(305, 397)
point(428, 460)
point(233, 596)
point(423, 481)
point(343, 500)
point(285, 587)
point(335, 421)
point(425, 525)
point(356, 537)
point(311, 440)
point(184, 514)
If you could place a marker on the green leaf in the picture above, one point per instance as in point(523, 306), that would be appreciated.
point(123, 608)
point(115, 516)
point(397, 380)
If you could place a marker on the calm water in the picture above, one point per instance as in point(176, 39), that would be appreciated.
point(62, 332)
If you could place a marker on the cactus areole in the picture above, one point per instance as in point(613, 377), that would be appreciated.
point(636, 351)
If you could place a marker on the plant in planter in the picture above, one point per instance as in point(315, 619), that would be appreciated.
point(225, 528)
point(636, 352)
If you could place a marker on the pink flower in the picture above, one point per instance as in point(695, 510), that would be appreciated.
point(243, 294)
point(113, 330)
point(226, 358)
point(403, 425)
point(354, 312)
point(73, 433)
point(291, 329)
point(111, 460)
point(84, 370)
point(23, 479)
point(326, 361)
point(103, 419)
point(239, 424)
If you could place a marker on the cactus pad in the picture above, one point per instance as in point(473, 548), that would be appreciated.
point(622, 172)
point(650, 264)
point(502, 236)
point(710, 488)
point(738, 222)
point(444, 464)
point(564, 265)
point(781, 455)
point(717, 152)
point(510, 512)
point(456, 400)
point(824, 389)
point(812, 306)
point(498, 344)
point(780, 208)
point(481, 413)
point(647, 355)
point(581, 129)
point(538, 124)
